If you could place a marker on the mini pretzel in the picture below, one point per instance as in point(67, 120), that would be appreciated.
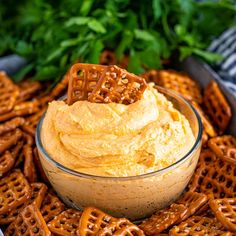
point(118, 85)
point(151, 76)
point(83, 78)
point(9, 139)
point(28, 222)
point(181, 83)
point(225, 211)
point(28, 89)
point(198, 225)
point(22, 109)
point(220, 144)
point(14, 191)
point(216, 179)
point(29, 167)
point(216, 106)
point(66, 223)
point(51, 207)
point(38, 192)
point(120, 226)
point(11, 125)
point(193, 201)
point(107, 58)
point(92, 220)
point(8, 93)
point(7, 160)
point(163, 219)
point(208, 127)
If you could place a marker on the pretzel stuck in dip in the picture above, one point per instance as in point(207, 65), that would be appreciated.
point(103, 84)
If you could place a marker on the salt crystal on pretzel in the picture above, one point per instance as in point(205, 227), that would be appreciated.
point(14, 191)
point(9, 139)
point(8, 93)
point(216, 106)
point(225, 211)
point(121, 227)
point(92, 220)
point(28, 222)
point(38, 193)
point(82, 80)
point(51, 206)
point(198, 225)
point(118, 85)
point(7, 160)
point(163, 219)
point(66, 223)
point(114, 226)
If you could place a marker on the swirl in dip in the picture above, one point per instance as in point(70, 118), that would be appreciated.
point(115, 139)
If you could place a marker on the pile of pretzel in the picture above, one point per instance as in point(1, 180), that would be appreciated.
point(103, 84)
point(23, 189)
point(208, 206)
point(28, 204)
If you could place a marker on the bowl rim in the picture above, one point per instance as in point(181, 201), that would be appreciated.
point(162, 90)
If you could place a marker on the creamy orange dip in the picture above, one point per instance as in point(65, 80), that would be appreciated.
point(115, 139)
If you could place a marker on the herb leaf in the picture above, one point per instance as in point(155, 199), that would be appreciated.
point(53, 35)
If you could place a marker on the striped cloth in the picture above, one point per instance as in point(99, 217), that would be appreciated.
point(226, 68)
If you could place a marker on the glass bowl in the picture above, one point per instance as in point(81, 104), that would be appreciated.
point(134, 197)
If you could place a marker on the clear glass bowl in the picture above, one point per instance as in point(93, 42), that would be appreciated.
point(134, 197)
